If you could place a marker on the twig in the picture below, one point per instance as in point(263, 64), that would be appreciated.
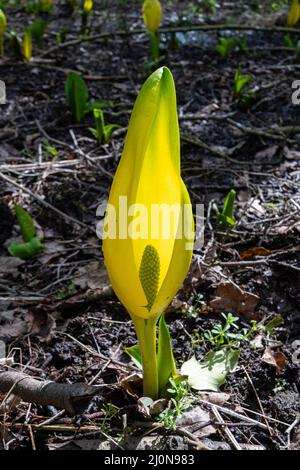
point(45, 203)
point(178, 29)
point(226, 429)
point(259, 262)
point(258, 400)
point(290, 428)
point(236, 415)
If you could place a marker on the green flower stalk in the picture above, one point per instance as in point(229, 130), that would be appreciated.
point(148, 255)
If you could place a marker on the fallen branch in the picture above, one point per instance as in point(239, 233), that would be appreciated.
point(74, 398)
point(176, 29)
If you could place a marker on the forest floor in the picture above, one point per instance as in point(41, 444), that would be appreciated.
point(59, 318)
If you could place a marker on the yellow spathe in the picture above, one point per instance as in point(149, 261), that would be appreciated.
point(148, 176)
point(294, 14)
point(3, 22)
point(152, 14)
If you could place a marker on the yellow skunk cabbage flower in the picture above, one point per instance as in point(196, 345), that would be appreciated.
point(87, 6)
point(149, 230)
point(46, 3)
point(27, 46)
point(3, 22)
point(294, 14)
point(152, 14)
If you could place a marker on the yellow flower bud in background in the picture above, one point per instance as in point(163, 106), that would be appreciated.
point(152, 14)
point(294, 14)
point(3, 22)
point(27, 46)
point(87, 6)
point(46, 3)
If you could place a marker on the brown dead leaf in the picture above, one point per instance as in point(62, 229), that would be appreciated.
point(258, 341)
point(275, 359)
point(13, 323)
point(194, 421)
point(41, 323)
point(291, 154)
point(9, 265)
point(256, 208)
point(91, 276)
point(132, 385)
point(286, 229)
point(267, 154)
point(229, 297)
point(255, 251)
point(217, 398)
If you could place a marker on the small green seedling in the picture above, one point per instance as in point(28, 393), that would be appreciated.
point(68, 291)
point(241, 93)
point(178, 392)
point(289, 43)
point(228, 335)
point(209, 6)
point(37, 30)
point(32, 244)
point(77, 95)
point(49, 149)
point(226, 217)
point(271, 326)
point(40, 6)
point(15, 43)
point(102, 132)
point(226, 46)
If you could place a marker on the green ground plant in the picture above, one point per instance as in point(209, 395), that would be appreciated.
point(77, 95)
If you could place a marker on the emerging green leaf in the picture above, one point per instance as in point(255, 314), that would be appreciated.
point(26, 250)
point(165, 358)
point(135, 355)
point(77, 95)
point(27, 227)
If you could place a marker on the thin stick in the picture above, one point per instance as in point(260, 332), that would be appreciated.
point(226, 429)
point(178, 29)
point(258, 400)
point(234, 414)
point(45, 203)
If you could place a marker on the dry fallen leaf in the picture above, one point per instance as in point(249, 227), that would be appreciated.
point(275, 358)
point(256, 208)
point(9, 265)
point(267, 154)
point(229, 297)
point(291, 154)
point(286, 229)
point(255, 251)
point(217, 398)
point(194, 421)
point(91, 276)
